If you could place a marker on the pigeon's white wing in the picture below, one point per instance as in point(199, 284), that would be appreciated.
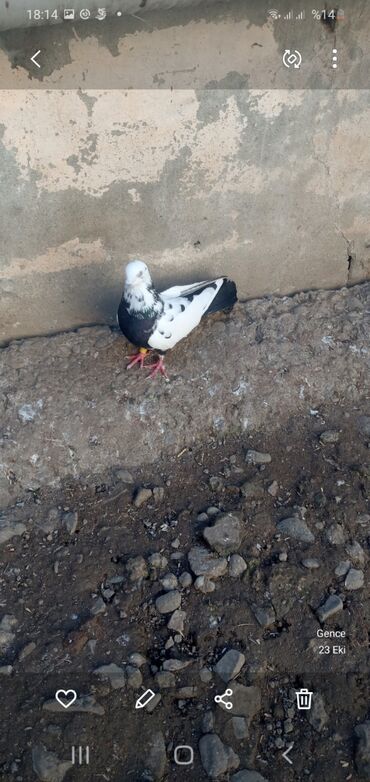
point(184, 290)
point(182, 314)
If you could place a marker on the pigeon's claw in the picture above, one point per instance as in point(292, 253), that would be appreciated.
point(158, 366)
point(138, 358)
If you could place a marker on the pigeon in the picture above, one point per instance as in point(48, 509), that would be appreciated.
point(155, 322)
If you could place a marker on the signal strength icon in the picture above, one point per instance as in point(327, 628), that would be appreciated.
point(274, 13)
point(289, 15)
point(302, 15)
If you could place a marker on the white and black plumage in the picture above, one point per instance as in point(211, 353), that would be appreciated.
point(155, 321)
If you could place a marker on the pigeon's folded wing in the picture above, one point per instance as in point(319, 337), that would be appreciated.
point(183, 313)
point(185, 290)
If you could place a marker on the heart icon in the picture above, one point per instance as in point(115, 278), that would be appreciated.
point(66, 697)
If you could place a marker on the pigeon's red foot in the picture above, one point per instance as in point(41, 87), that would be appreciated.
point(158, 366)
point(138, 358)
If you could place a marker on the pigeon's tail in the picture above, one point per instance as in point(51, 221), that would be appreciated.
point(225, 297)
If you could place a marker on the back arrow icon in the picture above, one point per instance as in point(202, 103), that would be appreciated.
point(286, 753)
point(33, 59)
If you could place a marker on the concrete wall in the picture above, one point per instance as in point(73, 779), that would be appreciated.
point(270, 186)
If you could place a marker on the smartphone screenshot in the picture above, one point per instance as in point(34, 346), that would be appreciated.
point(184, 391)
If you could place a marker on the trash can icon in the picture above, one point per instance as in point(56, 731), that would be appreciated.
point(304, 698)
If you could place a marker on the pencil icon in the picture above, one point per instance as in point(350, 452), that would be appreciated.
point(144, 699)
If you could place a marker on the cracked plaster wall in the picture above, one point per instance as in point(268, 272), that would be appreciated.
point(268, 186)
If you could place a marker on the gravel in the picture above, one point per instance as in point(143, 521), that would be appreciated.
point(142, 496)
point(225, 536)
point(317, 716)
point(362, 754)
point(354, 579)
point(205, 563)
point(156, 758)
point(70, 521)
point(216, 757)
point(335, 535)
point(10, 529)
point(297, 529)
point(47, 765)
point(177, 621)
point(311, 563)
point(257, 457)
point(115, 675)
point(169, 602)
point(248, 776)
point(331, 606)
point(237, 566)
point(329, 437)
point(229, 665)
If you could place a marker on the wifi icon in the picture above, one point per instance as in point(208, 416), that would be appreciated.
point(274, 13)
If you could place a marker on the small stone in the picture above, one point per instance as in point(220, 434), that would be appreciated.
point(257, 457)
point(185, 580)
point(115, 675)
point(10, 529)
point(142, 496)
point(283, 556)
point(297, 529)
point(156, 759)
point(53, 520)
point(265, 615)
point(273, 488)
point(186, 693)
point(213, 755)
point(205, 675)
point(362, 753)
point(354, 579)
point(202, 517)
point(208, 722)
point(317, 716)
point(246, 701)
point(212, 511)
point(249, 776)
point(174, 665)
point(169, 602)
point(47, 765)
point(216, 483)
point(165, 679)
point(226, 534)
point(137, 659)
point(158, 561)
point(70, 521)
point(342, 568)
point(176, 623)
point(204, 584)
point(124, 476)
point(335, 535)
point(26, 651)
point(169, 582)
point(134, 677)
point(329, 437)
point(229, 665)
point(363, 519)
point(153, 703)
point(331, 606)
point(136, 569)
point(6, 670)
point(98, 607)
point(158, 494)
point(237, 565)
point(310, 563)
point(356, 553)
point(239, 727)
point(85, 704)
point(205, 563)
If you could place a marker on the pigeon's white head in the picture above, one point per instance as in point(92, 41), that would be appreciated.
point(137, 274)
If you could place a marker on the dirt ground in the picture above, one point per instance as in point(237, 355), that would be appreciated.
point(79, 590)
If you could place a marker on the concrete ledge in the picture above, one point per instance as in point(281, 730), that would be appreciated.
point(69, 408)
